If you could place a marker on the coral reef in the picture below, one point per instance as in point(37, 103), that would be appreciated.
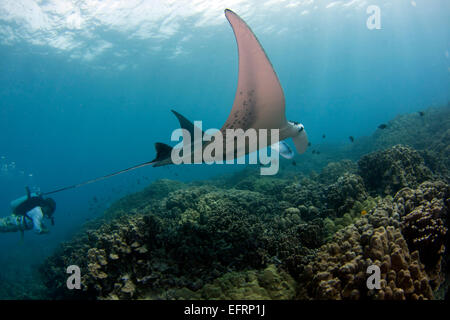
point(334, 170)
point(204, 238)
point(294, 236)
point(386, 172)
point(308, 195)
point(196, 235)
point(270, 283)
point(424, 214)
point(387, 238)
point(133, 203)
point(23, 287)
point(339, 271)
point(263, 184)
point(342, 195)
point(428, 134)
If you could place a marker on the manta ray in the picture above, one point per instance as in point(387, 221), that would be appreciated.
point(259, 103)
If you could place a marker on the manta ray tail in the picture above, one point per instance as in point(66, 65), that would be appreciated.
point(163, 152)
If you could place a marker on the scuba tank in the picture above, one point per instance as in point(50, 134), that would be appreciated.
point(17, 202)
point(22, 205)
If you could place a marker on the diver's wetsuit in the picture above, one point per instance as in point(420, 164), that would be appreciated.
point(33, 220)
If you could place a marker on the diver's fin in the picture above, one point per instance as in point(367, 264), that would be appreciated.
point(163, 151)
point(259, 101)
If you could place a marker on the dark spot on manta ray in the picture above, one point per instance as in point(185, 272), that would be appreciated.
point(240, 92)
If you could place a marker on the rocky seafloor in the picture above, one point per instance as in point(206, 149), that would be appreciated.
point(302, 234)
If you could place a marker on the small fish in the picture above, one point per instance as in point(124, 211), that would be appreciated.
point(95, 199)
point(351, 139)
point(382, 126)
point(318, 152)
point(324, 136)
point(363, 212)
point(309, 144)
point(294, 163)
point(421, 113)
point(314, 151)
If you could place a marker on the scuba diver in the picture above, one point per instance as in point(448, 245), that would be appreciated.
point(29, 212)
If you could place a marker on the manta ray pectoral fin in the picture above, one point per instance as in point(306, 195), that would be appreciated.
point(259, 101)
point(301, 141)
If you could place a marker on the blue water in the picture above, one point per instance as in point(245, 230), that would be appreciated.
point(86, 91)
